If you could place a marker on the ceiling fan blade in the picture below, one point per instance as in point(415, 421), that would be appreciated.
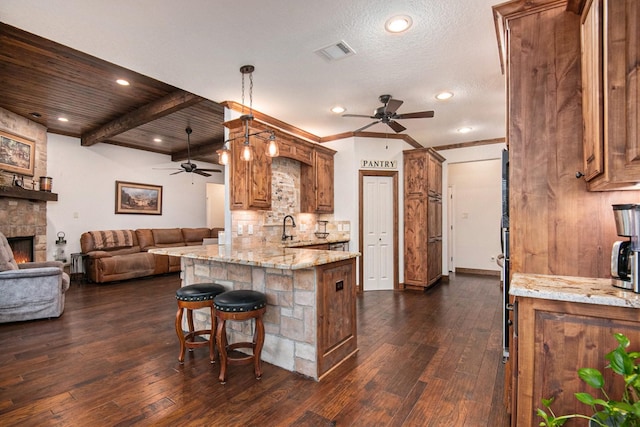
point(210, 170)
point(358, 115)
point(175, 173)
point(396, 126)
point(417, 115)
point(364, 127)
point(199, 172)
point(392, 106)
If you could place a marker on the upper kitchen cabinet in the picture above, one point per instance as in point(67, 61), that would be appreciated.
point(610, 30)
point(316, 182)
point(250, 181)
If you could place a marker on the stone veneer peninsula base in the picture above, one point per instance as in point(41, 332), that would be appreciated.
point(310, 322)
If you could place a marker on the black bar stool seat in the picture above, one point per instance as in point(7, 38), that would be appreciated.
point(240, 305)
point(193, 297)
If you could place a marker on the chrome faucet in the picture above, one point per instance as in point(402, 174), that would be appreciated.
point(284, 227)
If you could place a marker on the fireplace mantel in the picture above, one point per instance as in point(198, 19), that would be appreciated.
point(21, 193)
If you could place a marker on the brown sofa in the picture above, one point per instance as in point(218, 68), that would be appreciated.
point(112, 255)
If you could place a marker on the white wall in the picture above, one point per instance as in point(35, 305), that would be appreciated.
point(215, 205)
point(475, 173)
point(84, 178)
point(350, 152)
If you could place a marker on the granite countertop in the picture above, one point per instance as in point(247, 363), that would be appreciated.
point(574, 289)
point(259, 255)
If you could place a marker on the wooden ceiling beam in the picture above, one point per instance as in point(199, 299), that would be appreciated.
point(164, 106)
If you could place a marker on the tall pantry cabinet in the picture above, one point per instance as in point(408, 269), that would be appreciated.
point(422, 217)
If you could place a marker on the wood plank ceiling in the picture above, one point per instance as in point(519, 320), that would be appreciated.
point(42, 80)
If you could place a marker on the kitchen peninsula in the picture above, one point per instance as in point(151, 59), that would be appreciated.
point(310, 322)
point(563, 323)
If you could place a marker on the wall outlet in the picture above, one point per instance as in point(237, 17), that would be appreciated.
point(239, 229)
point(492, 259)
point(303, 226)
point(345, 227)
point(250, 228)
point(339, 227)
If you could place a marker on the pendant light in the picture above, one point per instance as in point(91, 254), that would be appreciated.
point(247, 152)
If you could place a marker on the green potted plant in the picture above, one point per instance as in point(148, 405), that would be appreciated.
point(606, 411)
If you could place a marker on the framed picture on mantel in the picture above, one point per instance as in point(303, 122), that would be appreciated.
point(133, 198)
point(17, 154)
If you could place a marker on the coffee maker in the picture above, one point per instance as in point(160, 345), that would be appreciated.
point(625, 253)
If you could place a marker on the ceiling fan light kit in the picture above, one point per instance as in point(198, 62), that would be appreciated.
point(247, 149)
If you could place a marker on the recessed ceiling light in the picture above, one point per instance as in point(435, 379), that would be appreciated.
point(398, 24)
point(444, 95)
point(338, 109)
point(63, 119)
point(157, 140)
point(36, 114)
point(122, 82)
point(465, 129)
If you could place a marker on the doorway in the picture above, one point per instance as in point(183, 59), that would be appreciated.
point(378, 230)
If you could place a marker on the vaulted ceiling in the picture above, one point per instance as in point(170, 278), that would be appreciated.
point(183, 60)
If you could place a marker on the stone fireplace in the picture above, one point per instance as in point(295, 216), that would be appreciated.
point(25, 217)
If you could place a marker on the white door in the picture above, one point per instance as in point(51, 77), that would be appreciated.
point(378, 232)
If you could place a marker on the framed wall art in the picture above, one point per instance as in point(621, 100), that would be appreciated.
point(17, 154)
point(133, 198)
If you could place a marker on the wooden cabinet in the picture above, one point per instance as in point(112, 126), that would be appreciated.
point(610, 31)
point(295, 149)
point(422, 217)
point(336, 302)
point(250, 181)
point(316, 182)
point(554, 339)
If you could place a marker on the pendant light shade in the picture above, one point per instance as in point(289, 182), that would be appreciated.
point(247, 153)
point(223, 155)
point(272, 147)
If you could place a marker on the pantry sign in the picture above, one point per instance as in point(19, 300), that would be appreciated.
point(378, 164)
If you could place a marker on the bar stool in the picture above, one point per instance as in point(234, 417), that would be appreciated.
point(240, 305)
point(190, 298)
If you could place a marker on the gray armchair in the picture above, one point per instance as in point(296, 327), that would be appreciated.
point(31, 290)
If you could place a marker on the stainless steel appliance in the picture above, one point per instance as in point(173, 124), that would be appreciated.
point(505, 259)
point(625, 253)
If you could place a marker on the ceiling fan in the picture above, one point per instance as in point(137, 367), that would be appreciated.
point(192, 167)
point(387, 114)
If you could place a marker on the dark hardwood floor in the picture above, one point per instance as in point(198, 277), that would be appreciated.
point(425, 359)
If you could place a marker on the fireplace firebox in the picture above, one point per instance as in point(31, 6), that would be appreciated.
point(22, 248)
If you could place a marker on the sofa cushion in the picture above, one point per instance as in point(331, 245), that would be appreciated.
point(163, 237)
point(112, 239)
point(194, 236)
point(145, 238)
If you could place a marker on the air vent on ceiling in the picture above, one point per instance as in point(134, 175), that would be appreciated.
point(336, 51)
